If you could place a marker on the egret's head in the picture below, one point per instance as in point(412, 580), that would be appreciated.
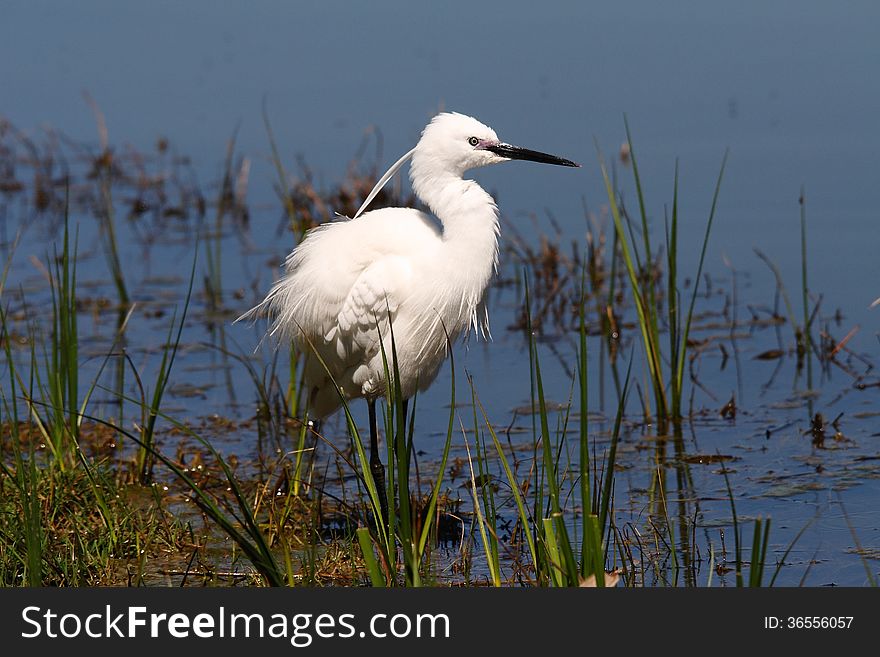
point(454, 143)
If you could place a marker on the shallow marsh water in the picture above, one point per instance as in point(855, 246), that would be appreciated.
point(788, 89)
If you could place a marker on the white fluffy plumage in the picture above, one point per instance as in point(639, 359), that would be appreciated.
point(348, 283)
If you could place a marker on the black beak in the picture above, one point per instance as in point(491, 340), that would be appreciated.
point(516, 153)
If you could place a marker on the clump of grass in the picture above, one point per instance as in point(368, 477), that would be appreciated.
point(52, 393)
point(79, 527)
point(25, 561)
point(240, 523)
point(645, 292)
point(552, 553)
point(65, 519)
point(61, 389)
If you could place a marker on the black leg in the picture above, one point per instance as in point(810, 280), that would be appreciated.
point(376, 467)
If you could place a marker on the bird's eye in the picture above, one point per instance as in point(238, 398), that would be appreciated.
point(473, 141)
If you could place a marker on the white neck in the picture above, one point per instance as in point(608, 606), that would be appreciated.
point(469, 254)
point(467, 212)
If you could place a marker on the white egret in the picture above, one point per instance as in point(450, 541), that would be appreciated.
point(424, 275)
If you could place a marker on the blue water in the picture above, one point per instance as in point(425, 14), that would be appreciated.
point(790, 88)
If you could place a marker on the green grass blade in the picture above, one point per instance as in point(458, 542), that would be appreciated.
point(522, 512)
point(366, 543)
point(481, 522)
point(690, 313)
point(652, 350)
point(584, 442)
point(435, 492)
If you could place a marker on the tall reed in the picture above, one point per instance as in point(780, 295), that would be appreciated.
point(548, 523)
point(644, 287)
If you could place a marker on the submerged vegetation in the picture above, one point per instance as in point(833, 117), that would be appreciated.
point(111, 474)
